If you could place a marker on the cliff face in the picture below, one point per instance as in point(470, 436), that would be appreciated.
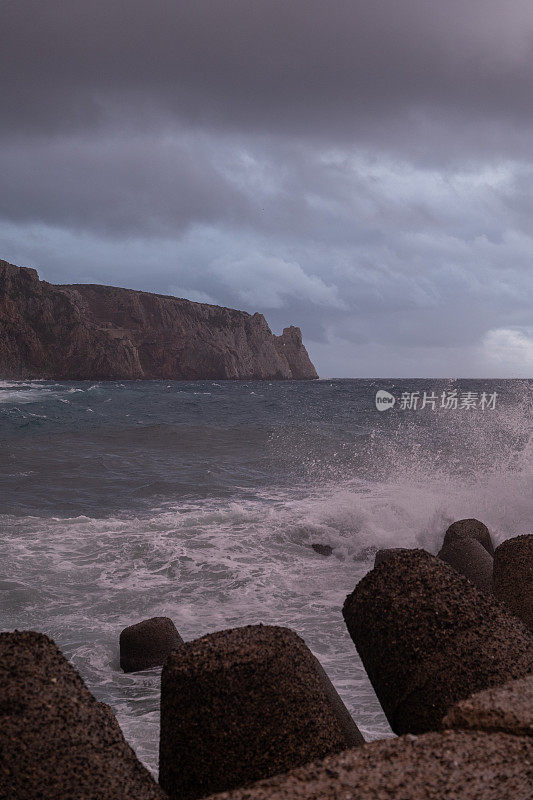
point(105, 333)
point(291, 348)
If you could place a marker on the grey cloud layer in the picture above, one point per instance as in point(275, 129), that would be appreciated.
point(360, 168)
point(340, 67)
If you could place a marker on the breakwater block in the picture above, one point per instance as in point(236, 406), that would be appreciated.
point(434, 766)
point(386, 553)
point(428, 638)
point(513, 576)
point(507, 708)
point(471, 559)
point(56, 740)
point(470, 529)
point(243, 704)
point(148, 643)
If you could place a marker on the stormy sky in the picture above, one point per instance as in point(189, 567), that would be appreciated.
point(360, 168)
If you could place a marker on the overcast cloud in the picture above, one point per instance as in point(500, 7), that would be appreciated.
point(362, 169)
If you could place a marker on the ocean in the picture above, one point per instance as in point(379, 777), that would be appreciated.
point(201, 502)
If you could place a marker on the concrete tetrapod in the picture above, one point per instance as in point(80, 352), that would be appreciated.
point(428, 638)
point(147, 644)
point(507, 708)
point(386, 553)
point(56, 741)
point(243, 704)
point(513, 576)
point(469, 529)
point(456, 765)
point(470, 558)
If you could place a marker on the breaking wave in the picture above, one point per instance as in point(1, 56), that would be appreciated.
point(210, 519)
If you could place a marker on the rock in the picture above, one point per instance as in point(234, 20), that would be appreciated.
point(387, 553)
point(470, 558)
point(107, 712)
point(148, 643)
point(291, 349)
point(507, 708)
point(56, 740)
point(323, 549)
point(457, 765)
point(429, 638)
point(104, 333)
point(513, 576)
point(243, 704)
point(470, 529)
point(366, 553)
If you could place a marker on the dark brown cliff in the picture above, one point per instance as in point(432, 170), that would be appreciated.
point(104, 333)
point(291, 348)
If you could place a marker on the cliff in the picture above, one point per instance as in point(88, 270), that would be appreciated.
point(89, 332)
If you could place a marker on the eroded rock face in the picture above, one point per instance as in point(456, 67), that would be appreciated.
point(290, 347)
point(90, 332)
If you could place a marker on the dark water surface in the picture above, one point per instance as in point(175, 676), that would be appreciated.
point(200, 501)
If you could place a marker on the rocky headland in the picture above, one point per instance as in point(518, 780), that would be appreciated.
point(92, 332)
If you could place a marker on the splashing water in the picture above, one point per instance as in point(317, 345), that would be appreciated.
point(201, 501)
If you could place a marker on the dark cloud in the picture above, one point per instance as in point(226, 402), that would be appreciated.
point(362, 169)
point(116, 184)
point(341, 68)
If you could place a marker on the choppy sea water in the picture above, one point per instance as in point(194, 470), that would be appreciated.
point(200, 501)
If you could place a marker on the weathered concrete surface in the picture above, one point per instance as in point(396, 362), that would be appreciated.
point(148, 643)
point(428, 638)
point(471, 559)
point(56, 740)
point(387, 553)
point(470, 529)
point(453, 765)
point(507, 708)
point(513, 576)
point(104, 332)
point(244, 704)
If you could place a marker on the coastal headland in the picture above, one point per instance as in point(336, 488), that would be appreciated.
point(93, 332)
